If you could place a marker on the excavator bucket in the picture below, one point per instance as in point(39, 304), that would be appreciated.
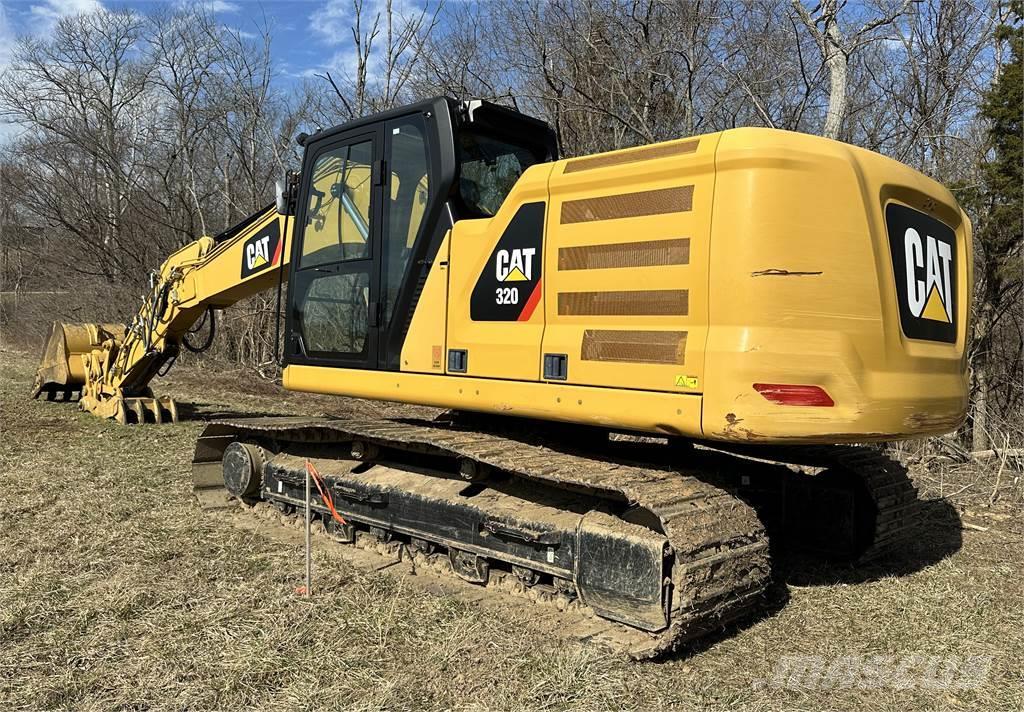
point(61, 369)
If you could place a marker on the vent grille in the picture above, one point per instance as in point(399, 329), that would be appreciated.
point(659, 302)
point(628, 205)
point(634, 346)
point(647, 153)
point(650, 253)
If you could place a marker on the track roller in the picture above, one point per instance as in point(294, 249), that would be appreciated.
point(468, 566)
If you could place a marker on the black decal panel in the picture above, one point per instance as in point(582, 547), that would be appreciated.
point(924, 263)
point(508, 288)
point(262, 250)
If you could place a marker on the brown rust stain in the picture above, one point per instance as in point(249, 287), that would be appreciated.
point(733, 431)
point(933, 421)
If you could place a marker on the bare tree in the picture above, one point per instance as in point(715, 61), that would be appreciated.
point(836, 47)
point(388, 46)
point(83, 90)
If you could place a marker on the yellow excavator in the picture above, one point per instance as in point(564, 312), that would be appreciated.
point(650, 359)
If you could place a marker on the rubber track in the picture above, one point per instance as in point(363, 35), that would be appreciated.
point(887, 483)
point(721, 560)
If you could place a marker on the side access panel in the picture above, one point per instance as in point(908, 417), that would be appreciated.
point(628, 247)
point(495, 293)
point(423, 350)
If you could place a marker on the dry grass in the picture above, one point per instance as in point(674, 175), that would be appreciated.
point(117, 591)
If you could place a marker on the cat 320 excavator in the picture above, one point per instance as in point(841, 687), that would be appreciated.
point(649, 360)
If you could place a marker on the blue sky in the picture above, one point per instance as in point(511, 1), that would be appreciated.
point(308, 35)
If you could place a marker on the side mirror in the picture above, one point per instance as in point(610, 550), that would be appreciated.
point(283, 197)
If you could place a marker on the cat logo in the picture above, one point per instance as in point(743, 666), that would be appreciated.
point(515, 265)
point(509, 285)
point(257, 254)
point(261, 251)
point(924, 267)
point(928, 298)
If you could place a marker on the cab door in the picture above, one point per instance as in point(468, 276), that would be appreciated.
point(334, 311)
point(409, 188)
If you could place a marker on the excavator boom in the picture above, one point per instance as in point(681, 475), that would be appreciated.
point(110, 366)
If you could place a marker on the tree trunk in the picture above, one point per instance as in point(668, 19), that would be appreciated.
point(836, 61)
point(979, 432)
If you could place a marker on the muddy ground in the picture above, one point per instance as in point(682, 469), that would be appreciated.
point(117, 591)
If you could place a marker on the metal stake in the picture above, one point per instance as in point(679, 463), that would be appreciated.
point(309, 558)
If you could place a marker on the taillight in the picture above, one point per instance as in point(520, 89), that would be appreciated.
point(788, 394)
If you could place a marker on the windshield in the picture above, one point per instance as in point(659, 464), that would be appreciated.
point(488, 168)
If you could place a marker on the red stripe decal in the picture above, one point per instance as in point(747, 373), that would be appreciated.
point(277, 251)
point(531, 303)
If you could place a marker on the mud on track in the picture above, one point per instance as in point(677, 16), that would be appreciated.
point(116, 590)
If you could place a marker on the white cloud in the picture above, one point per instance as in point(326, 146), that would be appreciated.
point(334, 20)
point(216, 6)
point(7, 39)
point(39, 20)
point(52, 10)
point(42, 18)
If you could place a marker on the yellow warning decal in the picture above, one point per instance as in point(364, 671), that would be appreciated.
point(933, 308)
point(687, 381)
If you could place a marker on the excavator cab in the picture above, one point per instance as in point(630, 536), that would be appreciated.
point(374, 201)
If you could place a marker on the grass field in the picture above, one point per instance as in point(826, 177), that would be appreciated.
point(116, 591)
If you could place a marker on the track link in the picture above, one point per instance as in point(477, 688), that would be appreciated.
point(884, 500)
point(719, 560)
point(892, 493)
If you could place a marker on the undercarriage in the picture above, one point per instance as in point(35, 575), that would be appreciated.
point(661, 541)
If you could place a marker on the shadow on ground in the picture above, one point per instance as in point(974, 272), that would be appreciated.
point(938, 535)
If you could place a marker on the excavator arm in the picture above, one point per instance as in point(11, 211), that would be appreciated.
point(110, 365)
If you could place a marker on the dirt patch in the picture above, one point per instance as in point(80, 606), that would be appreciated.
point(116, 590)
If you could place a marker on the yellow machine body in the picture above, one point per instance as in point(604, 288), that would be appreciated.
point(688, 283)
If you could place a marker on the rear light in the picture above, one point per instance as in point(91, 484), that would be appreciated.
point(786, 394)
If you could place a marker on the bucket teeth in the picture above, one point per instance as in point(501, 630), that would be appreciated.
point(74, 364)
point(142, 410)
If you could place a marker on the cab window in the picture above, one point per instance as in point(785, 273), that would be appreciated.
point(409, 196)
point(338, 218)
point(488, 168)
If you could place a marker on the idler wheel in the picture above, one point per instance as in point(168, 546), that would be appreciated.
point(243, 469)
